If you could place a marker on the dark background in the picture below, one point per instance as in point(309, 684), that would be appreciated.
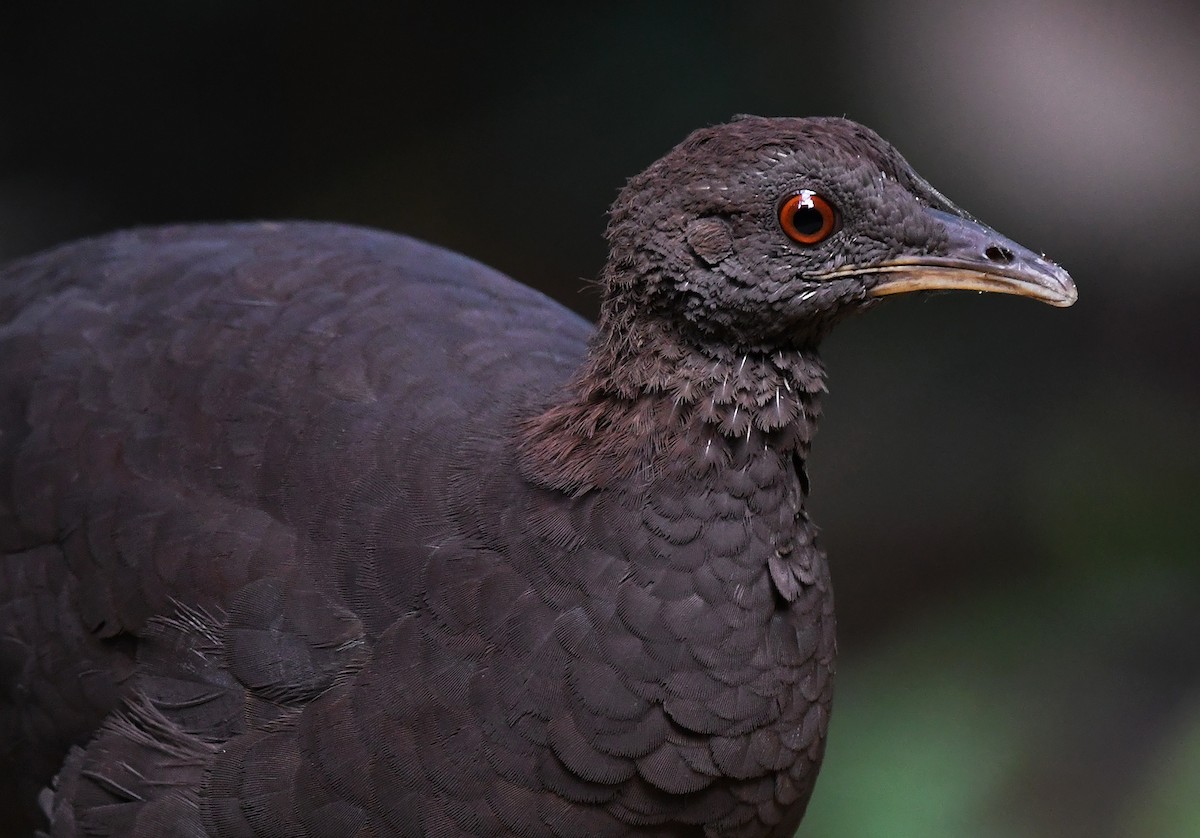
point(1009, 492)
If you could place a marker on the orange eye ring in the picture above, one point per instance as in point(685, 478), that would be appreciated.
point(807, 218)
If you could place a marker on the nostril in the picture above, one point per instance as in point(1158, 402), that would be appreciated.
point(996, 253)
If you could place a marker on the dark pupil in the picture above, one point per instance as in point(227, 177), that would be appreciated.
point(808, 221)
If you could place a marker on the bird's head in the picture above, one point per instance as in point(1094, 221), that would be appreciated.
point(761, 233)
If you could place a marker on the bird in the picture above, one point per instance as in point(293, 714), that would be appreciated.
point(309, 529)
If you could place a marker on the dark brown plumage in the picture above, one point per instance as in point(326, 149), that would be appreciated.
point(308, 530)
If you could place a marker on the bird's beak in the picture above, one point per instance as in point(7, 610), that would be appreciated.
point(977, 258)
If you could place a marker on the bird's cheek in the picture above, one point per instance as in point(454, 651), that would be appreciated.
point(710, 240)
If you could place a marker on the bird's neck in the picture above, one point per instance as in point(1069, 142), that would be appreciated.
point(647, 403)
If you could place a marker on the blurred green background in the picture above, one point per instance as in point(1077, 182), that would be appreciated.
point(1010, 493)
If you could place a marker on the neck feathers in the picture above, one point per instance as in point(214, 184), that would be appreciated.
point(645, 405)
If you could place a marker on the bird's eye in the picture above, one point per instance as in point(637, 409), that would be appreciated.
point(807, 218)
